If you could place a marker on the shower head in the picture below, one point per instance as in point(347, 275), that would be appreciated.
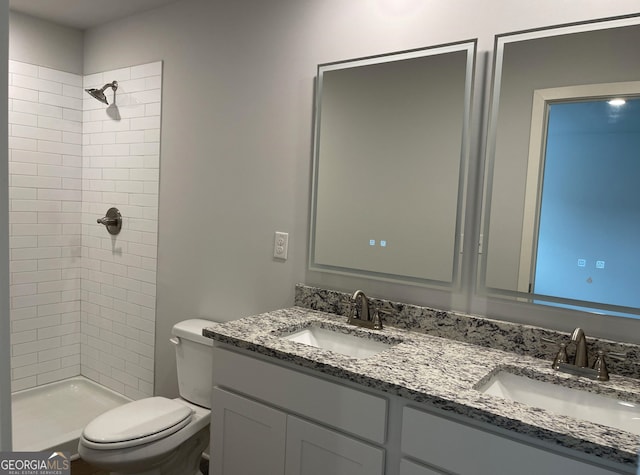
point(99, 93)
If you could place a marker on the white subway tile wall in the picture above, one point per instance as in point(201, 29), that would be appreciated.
point(120, 167)
point(45, 190)
point(83, 301)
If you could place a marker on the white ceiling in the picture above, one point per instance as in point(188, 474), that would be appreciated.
point(83, 14)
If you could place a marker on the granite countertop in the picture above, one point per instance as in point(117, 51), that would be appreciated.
point(442, 373)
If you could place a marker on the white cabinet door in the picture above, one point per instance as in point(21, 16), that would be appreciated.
point(248, 438)
point(315, 450)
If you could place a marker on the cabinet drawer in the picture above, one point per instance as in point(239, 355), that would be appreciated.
point(462, 449)
point(332, 404)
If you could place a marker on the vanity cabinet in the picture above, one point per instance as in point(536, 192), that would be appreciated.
point(253, 438)
point(270, 420)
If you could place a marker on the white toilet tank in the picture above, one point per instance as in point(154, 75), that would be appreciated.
point(194, 361)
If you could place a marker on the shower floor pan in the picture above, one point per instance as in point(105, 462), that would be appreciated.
point(52, 416)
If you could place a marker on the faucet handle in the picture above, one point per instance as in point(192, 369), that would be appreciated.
point(377, 321)
point(352, 310)
point(600, 366)
point(561, 357)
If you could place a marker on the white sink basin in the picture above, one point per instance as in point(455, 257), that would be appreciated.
point(336, 341)
point(565, 401)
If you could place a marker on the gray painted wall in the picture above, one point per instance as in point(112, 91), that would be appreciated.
point(237, 132)
point(43, 43)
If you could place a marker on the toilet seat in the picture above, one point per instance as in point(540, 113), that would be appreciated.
point(136, 423)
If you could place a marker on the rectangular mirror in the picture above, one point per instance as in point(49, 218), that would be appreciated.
point(561, 207)
point(390, 152)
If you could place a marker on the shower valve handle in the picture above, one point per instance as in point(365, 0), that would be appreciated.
point(108, 221)
point(112, 221)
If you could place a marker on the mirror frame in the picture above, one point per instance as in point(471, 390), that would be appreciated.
point(490, 149)
point(468, 46)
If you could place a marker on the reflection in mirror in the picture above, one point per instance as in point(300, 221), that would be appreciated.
point(390, 152)
point(590, 201)
point(561, 207)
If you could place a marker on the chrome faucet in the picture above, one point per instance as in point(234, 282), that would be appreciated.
point(581, 359)
point(580, 366)
point(364, 305)
point(364, 319)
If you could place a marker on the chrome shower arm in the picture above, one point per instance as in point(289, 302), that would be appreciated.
point(113, 85)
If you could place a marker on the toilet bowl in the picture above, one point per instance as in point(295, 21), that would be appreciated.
point(156, 435)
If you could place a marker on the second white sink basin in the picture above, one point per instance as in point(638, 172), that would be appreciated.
point(565, 401)
point(336, 341)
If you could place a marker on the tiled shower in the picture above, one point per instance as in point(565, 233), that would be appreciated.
point(82, 300)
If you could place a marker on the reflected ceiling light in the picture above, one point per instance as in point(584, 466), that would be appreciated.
point(617, 102)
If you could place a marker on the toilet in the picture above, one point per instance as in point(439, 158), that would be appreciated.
point(156, 435)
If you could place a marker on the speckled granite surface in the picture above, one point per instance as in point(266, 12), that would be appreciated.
point(440, 372)
point(500, 335)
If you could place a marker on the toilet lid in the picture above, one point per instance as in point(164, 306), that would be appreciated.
point(138, 422)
